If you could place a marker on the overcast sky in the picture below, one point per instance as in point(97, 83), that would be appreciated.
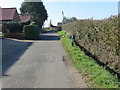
point(72, 8)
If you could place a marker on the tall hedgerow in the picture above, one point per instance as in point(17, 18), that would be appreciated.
point(100, 37)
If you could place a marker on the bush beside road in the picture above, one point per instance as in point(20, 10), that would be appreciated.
point(1, 35)
point(96, 76)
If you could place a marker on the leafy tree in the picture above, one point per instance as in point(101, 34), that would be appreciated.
point(68, 20)
point(36, 10)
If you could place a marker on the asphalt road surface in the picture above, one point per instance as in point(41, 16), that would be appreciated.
point(39, 64)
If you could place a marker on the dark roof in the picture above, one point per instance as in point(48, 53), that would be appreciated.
point(24, 18)
point(8, 13)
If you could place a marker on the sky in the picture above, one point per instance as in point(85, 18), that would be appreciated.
point(72, 8)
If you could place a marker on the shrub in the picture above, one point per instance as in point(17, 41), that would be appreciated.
point(31, 31)
point(3, 28)
point(59, 28)
point(95, 75)
point(15, 27)
point(33, 23)
point(22, 24)
point(44, 30)
point(99, 37)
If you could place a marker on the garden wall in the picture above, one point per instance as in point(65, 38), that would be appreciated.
point(14, 35)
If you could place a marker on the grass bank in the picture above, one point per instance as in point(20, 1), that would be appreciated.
point(96, 76)
point(100, 38)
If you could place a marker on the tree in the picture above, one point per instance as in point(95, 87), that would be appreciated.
point(72, 19)
point(68, 20)
point(36, 10)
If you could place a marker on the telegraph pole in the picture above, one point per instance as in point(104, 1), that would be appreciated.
point(63, 14)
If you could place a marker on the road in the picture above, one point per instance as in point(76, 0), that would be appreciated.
point(40, 65)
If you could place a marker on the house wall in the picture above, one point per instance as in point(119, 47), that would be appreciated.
point(16, 17)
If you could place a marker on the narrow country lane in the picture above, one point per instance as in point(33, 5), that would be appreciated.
point(41, 65)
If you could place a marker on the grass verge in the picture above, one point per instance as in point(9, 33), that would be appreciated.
point(96, 76)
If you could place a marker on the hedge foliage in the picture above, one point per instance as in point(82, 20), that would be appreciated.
point(95, 75)
point(15, 27)
point(99, 37)
point(31, 32)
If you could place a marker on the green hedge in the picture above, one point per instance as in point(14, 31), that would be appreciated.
point(15, 27)
point(31, 31)
point(22, 24)
point(100, 37)
point(33, 23)
point(95, 76)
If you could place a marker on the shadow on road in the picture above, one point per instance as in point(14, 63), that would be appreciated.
point(11, 52)
point(50, 35)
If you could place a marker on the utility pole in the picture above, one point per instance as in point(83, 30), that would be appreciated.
point(50, 23)
point(63, 14)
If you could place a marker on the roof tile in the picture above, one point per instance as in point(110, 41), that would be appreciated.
point(24, 18)
point(8, 13)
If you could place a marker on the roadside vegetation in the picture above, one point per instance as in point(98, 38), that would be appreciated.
point(100, 38)
point(1, 35)
point(95, 76)
point(36, 10)
point(29, 29)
